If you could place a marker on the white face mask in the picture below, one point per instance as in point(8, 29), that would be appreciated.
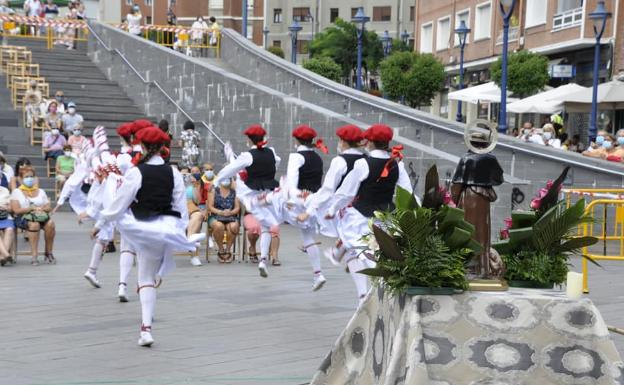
point(77, 132)
point(67, 153)
point(547, 135)
point(209, 174)
point(226, 183)
point(71, 110)
point(55, 131)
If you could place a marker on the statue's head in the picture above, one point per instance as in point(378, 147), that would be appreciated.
point(480, 136)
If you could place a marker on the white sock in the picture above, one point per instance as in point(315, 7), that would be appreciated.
point(360, 280)
point(125, 265)
point(265, 244)
point(96, 255)
point(312, 249)
point(147, 295)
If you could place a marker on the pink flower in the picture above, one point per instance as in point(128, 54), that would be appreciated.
point(504, 234)
point(536, 203)
point(549, 184)
point(446, 197)
point(508, 223)
point(542, 192)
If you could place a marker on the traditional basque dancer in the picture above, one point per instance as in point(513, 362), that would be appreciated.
point(77, 186)
point(369, 187)
point(149, 208)
point(260, 164)
point(349, 150)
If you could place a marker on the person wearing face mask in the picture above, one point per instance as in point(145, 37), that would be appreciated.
point(368, 187)
point(607, 147)
point(197, 210)
point(53, 144)
point(190, 141)
point(526, 131)
point(72, 120)
point(224, 209)
point(21, 165)
point(32, 207)
point(65, 165)
point(205, 185)
point(616, 152)
point(7, 226)
point(549, 136)
point(597, 144)
point(34, 106)
point(59, 97)
point(6, 172)
point(53, 119)
point(77, 141)
point(134, 19)
point(199, 30)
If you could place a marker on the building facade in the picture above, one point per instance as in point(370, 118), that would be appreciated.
point(559, 29)
point(394, 16)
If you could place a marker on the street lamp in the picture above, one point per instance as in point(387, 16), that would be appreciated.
point(462, 33)
point(265, 32)
point(405, 37)
point(294, 29)
point(361, 19)
point(244, 31)
point(386, 42)
point(506, 7)
point(310, 19)
point(599, 17)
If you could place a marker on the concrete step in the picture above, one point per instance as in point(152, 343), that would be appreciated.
point(112, 116)
point(103, 100)
point(87, 73)
point(60, 80)
point(68, 86)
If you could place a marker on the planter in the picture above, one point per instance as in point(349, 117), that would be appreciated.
point(530, 284)
point(419, 290)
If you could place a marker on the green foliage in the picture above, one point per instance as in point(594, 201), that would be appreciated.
point(527, 72)
point(324, 66)
point(277, 51)
point(537, 267)
point(339, 42)
point(417, 77)
point(422, 246)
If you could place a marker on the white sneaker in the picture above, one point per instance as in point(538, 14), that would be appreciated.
point(211, 244)
point(318, 282)
point(262, 266)
point(329, 254)
point(195, 261)
point(146, 339)
point(122, 293)
point(89, 276)
point(197, 237)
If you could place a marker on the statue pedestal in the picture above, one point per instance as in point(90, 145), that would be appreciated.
point(488, 285)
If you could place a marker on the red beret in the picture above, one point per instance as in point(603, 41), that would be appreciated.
point(125, 130)
point(152, 135)
point(350, 133)
point(304, 132)
point(255, 130)
point(378, 133)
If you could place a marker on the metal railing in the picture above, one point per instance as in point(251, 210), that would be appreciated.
point(207, 126)
point(568, 19)
point(64, 32)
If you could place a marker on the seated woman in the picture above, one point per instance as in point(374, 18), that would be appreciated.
point(196, 217)
point(32, 207)
point(7, 226)
point(224, 208)
point(53, 144)
point(21, 165)
point(77, 141)
point(65, 165)
point(608, 150)
point(253, 229)
point(52, 119)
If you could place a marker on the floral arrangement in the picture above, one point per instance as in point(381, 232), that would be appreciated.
point(424, 246)
point(536, 245)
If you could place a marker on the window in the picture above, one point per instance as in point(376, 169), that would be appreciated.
point(536, 12)
point(459, 17)
point(148, 2)
point(443, 34)
point(333, 15)
point(303, 47)
point(250, 31)
point(130, 2)
point(382, 13)
point(354, 11)
point(277, 15)
point(216, 4)
point(426, 38)
point(483, 22)
point(568, 5)
point(277, 43)
point(301, 14)
point(412, 13)
point(148, 20)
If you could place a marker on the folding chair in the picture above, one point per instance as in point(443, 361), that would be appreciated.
point(51, 168)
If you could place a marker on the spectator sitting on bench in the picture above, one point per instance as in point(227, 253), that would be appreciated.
point(65, 165)
point(53, 144)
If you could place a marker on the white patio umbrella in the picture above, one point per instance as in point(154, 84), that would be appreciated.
point(488, 92)
point(547, 102)
point(610, 97)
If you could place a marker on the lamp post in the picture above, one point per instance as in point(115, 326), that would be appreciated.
point(265, 32)
point(294, 29)
point(244, 16)
point(462, 33)
point(506, 7)
point(405, 37)
point(361, 19)
point(386, 42)
point(310, 19)
point(599, 16)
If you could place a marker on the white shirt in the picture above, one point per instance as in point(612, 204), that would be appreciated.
point(126, 194)
point(40, 200)
point(35, 7)
point(243, 161)
point(5, 199)
point(198, 29)
point(337, 170)
point(554, 143)
point(537, 139)
point(295, 162)
point(134, 23)
point(351, 184)
point(8, 172)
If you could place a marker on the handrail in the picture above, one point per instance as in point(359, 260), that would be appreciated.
point(327, 84)
point(153, 82)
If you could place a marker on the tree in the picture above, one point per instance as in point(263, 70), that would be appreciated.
point(413, 76)
point(527, 73)
point(278, 51)
point(339, 42)
point(324, 66)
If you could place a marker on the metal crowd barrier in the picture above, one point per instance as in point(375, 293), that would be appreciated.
point(54, 31)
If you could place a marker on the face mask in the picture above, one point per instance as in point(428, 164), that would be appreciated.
point(59, 98)
point(67, 153)
point(600, 139)
point(197, 176)
point(226, 183)
point(209, 174)
point(53, 110)
point(547, 135)
point(77, 132)
point(606, 144)
point(526, 132)
point(29, 181)
point(71, 110)
point(55, 131)
point(621, 140)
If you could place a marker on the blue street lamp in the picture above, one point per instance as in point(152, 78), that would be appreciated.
point(244, 16)
point(462, 33)
point(360, 18)
point(294, 29)
point(506, 7)
point(405, 37)
point(599, 17)
point(386, 42)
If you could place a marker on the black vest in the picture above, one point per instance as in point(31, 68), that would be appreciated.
point(311, 173)
point(154, 197)
point(376, 194)
point(350, 159)
point(261, 173)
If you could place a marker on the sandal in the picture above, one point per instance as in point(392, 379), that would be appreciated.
point(228, 257)
point(49, 258)
point(275, 262)
point(34, 262)
point(221, 255)
point(253, 258)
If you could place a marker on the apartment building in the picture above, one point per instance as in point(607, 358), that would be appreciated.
point(394, 16)
point(227, 12)
point(559, 29)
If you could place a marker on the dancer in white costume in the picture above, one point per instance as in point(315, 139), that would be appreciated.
point(369, 187)
point(303, 177)
point(150, 210)
point(261, 163)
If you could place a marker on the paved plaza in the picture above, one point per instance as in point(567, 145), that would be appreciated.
point(216, 324)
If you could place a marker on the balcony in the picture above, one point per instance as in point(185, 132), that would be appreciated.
point(514, 33)
point(568, 19)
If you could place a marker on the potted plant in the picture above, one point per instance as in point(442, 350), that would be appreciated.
point(536, 245)
point(423, 249)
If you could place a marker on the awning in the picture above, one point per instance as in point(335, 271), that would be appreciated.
point(610, 97)
point(488, 92)
point(547, 102)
